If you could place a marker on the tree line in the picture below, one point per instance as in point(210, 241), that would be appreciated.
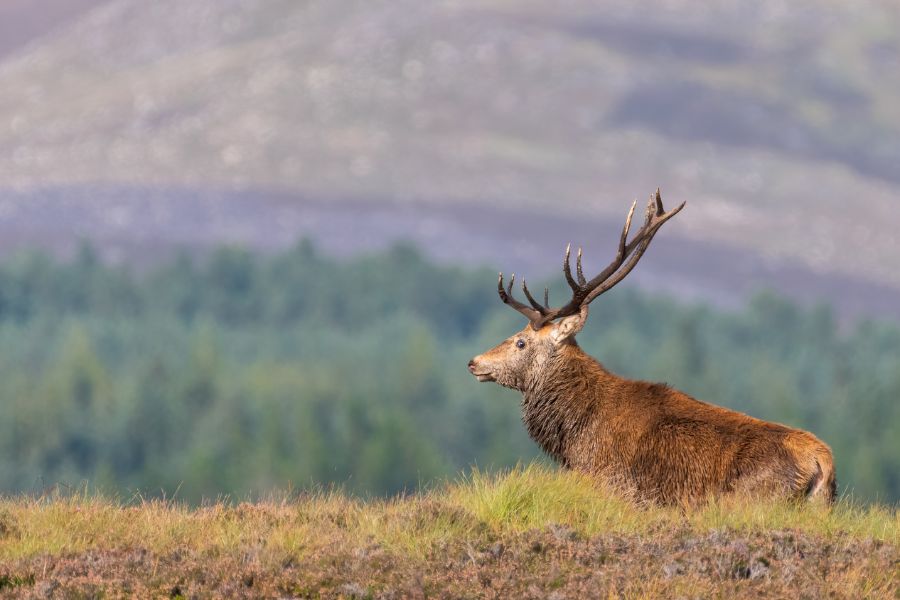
point(238, 372)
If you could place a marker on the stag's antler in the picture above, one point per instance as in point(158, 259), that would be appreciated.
point(583, 291)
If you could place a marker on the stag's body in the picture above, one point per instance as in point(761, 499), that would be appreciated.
point(658, 442)
point(663, 444)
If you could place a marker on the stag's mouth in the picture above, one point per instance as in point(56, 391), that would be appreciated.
point(480, 376)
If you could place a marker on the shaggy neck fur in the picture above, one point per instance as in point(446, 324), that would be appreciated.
point(569, 393)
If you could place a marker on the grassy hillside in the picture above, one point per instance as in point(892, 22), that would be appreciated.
point(779, 122)
point(529, 533)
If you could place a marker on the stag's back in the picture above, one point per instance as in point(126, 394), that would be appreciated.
point(665, 444)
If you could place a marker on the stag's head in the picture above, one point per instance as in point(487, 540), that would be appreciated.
point(518, 361)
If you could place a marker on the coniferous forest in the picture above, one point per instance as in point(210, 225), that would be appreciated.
point(238, 373)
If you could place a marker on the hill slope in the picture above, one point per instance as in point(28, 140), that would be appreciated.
point(780, 124)
point(21, 21)
point(531, 533)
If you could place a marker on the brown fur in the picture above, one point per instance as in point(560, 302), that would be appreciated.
point(665, 445)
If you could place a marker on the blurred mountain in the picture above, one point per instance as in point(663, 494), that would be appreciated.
point(21, 21)
point(779, 122)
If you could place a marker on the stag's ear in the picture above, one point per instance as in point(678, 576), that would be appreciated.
point(567, 327)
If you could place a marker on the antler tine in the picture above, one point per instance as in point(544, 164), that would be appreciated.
point(581, 280)
point(624, 237)
point(547, 298)
point(659, 204)
point(507, 298)
point(567, 270)
point(652, 222)
point(500, 289)
point(534, 303)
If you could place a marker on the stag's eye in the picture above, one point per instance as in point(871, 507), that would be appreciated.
point(520, 344)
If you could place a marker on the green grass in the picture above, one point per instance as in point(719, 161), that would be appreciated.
point(479, 506)
point(535, 497)
point(526, 533)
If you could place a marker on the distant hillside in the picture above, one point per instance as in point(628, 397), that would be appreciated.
point(21, 21)
point(779, 123)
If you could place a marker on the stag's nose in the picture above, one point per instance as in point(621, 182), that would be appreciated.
point(472, 366)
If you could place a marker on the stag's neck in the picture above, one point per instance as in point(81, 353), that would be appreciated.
point(571, 389)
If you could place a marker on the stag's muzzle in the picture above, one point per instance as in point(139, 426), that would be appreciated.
point(478, 371)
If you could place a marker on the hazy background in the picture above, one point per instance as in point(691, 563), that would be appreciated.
point(163, 326)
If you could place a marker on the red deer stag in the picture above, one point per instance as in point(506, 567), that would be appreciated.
point(661, 443)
